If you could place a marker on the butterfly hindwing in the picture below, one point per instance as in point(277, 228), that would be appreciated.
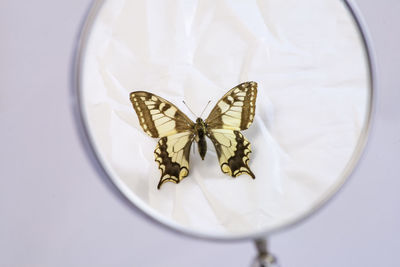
point(236, 109)
point(172, 154)
point(157, 116)
point(233, 151)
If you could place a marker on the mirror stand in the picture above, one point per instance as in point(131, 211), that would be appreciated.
point(264, 258)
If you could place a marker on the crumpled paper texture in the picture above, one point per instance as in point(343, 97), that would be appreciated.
point(308, 60)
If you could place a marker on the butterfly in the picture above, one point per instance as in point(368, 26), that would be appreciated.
point(233, 112)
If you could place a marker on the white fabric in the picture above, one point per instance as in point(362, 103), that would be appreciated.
point(308, 60)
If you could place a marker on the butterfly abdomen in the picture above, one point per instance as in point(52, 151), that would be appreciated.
point(202, 147)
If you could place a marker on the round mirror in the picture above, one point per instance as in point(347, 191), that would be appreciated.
point(310, 65)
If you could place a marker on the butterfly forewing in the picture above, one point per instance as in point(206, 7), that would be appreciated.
point(157, 116)
point(236, 109)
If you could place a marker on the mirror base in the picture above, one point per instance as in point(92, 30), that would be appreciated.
point(264, 257)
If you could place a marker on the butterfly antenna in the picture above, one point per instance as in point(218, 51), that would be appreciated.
point(189, 108)
point(205, 108)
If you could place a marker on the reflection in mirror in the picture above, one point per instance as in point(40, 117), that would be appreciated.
point(312, 108)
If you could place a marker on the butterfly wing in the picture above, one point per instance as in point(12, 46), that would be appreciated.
point(157, 116)
point(160, 118)
point(233, 150)
point(234, 112)
point(236, 109)
point(172, 154)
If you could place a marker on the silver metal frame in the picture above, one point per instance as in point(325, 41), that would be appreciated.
point(121, 192)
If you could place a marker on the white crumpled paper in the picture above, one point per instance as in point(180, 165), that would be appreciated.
point(308, 60)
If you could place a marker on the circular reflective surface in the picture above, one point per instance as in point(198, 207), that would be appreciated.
point(312, 115)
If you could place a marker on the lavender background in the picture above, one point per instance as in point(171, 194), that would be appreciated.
point(56, 211)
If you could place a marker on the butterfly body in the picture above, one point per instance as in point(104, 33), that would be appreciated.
point(200, 129)
point(233, 112)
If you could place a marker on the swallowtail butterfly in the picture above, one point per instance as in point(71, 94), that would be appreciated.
point(233, 112)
